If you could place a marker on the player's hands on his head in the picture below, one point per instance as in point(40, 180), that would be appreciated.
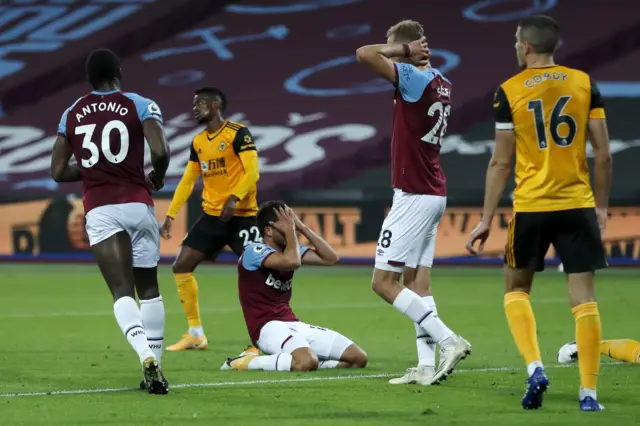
point(480, 233)
point(285, 222)
point(229, 208)
point(419, 51)
point(156, 183)
point(165, 229)
point(296, 220)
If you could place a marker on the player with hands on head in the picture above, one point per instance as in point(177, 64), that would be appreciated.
point(265, 279)
point(422, 104)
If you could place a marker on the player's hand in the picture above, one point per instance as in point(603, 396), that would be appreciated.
point(229, 208)
point(603, 217)
point(480, 233)
point(296, 220)
point(156, 183)
point(165, 230)
point(419, 51)
point(285, 222)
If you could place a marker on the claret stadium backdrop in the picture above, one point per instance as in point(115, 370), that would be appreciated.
point(321, 123)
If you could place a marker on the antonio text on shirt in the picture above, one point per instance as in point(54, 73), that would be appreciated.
point(106, 135)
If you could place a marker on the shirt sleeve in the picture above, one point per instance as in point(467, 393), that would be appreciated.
point(243, 141)
point(596, 109)
point(502, 111)
point(303, 251)
point(411, 81)
point(254, 256)
point(62, 126)
point(146, 108)
point(193, 155)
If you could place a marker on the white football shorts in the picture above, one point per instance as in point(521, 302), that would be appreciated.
point(138, 220)
point(408, 236)
point(278, 337)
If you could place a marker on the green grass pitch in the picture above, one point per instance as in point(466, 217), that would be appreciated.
point(58, 334)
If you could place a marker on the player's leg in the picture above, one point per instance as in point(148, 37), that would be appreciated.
point(418, 279)
point(145, 242)
point(204, 241)
point(579, 245)
point(625, 350)
point(112, 248)
point(450, 355)
point(529, 238)
point(332, 348)
point(286, 350)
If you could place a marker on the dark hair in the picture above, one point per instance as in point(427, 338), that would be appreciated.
point(103, 66)
point(406, 31)
point(542, 32)
point(267, 213)
point(214, 93)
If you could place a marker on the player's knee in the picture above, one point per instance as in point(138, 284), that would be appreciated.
point(383, 283)
point(359, 359)
point(180, 267)
point(306, 362)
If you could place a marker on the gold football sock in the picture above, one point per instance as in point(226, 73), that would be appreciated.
point(588, 337)
point(188, 291)
point(522, 323)
point(626, 350)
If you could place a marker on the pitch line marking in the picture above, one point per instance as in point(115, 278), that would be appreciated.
point(270, 381)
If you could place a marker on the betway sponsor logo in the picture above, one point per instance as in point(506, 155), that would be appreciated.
point(27, 150)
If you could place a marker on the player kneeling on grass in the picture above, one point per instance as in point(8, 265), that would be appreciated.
point(625, 350)
point(265, 275)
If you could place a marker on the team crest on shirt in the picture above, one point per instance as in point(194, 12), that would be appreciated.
point(222, 146)
point(259, 248)
point(204, 166)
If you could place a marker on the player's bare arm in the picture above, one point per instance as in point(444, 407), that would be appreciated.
point(379, 57)
point(289, 259)
point(159, 147)
point(603, 170)
point(322, 253)
point(61, 170)
point(497, 175)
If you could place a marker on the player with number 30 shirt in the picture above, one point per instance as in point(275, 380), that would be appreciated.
point(422, 103)
point(105, 131)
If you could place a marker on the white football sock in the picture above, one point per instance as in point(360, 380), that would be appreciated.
point(280, 362)
point(586, 392)
point(152, 312)
point(129, 319)
point(412, 305)
point(196, 331)
point(424, 342)
point(328, 364)
point(531, 367)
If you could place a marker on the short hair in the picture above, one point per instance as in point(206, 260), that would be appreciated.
point(103, 66)
point(541, 32)
point(406, 31)
point(214, 93)
point(267, 213)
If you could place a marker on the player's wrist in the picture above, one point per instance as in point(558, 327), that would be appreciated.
point(172, 218)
